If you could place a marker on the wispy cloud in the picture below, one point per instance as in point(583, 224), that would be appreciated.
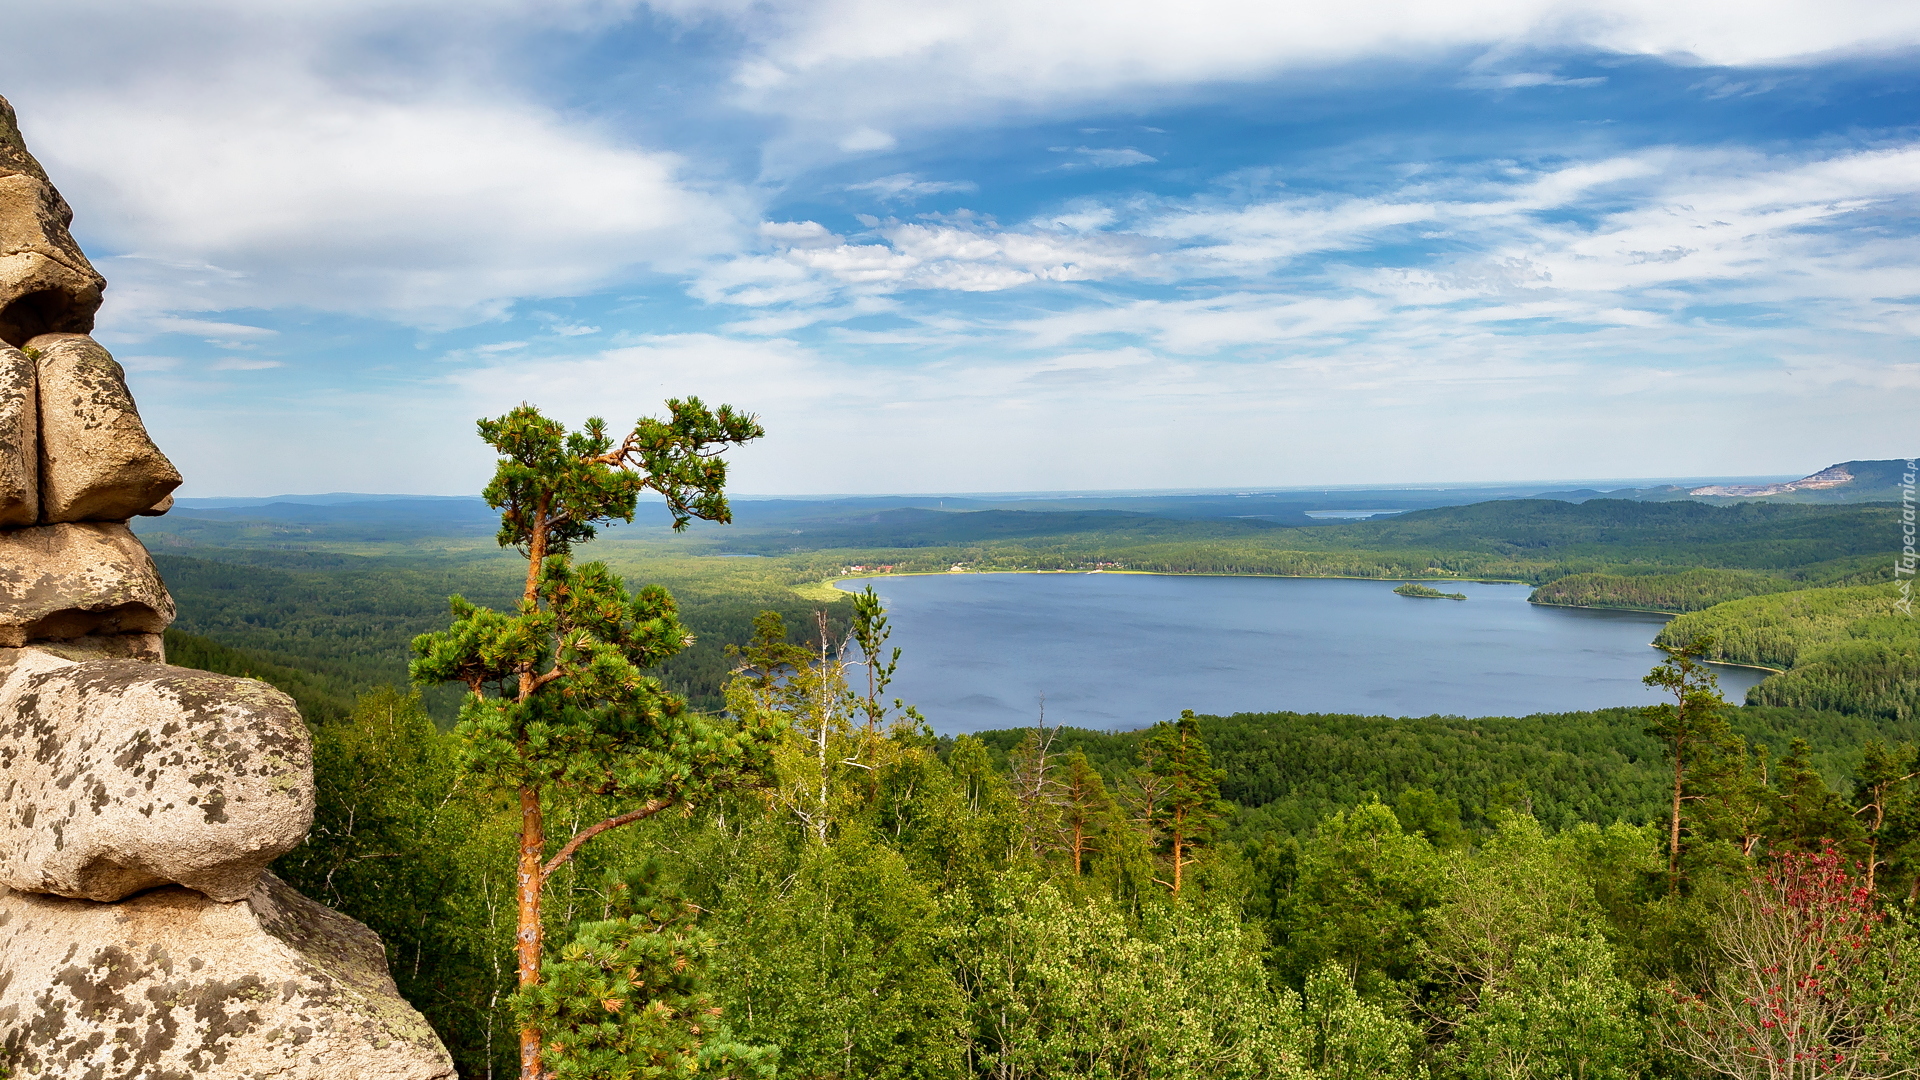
point(1106, 157)
point(818, 61)
point(1521, 80)
point(1641, 239)
point(907, 187)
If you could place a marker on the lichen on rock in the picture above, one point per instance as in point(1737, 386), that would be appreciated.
point(19, 439)
point(141, 937)
point(120, 775)
point(170, 985)
point(63, 581)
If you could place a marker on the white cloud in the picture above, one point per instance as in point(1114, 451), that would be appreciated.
point(907, 187)
point(346, 157)
point(861, 140)
point(1521, 80)
point(1067, 417)
point(1686, 230)
point(1107, 157)
point(822, 60)
point(964, 257)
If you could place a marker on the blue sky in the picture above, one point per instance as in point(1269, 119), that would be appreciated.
point(1000, 246)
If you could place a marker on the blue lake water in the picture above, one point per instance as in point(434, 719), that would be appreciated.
point(1121, 651)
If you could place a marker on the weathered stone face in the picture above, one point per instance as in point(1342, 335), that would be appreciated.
point(63, 581)
point(46, 283)
point(149, 647)
point(19, 439)
point(169, 985)
point(120, 775)
point(96, 461)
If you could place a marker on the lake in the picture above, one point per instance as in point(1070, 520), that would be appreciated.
point(1121, 651)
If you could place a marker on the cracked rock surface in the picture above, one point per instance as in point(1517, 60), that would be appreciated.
point(120, 775)
point(170, 985)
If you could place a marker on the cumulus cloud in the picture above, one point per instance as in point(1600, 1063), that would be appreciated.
point(988, 419)
point(221, 158)
point(1521, 80)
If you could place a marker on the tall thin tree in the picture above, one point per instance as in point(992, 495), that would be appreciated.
point(1186, 806)
point(1691, 729)
point(560, 703)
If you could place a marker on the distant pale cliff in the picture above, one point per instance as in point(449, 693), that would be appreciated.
point(1846, 482)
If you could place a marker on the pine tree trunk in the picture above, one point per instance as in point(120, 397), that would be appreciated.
point(533, 847)
point(1673, 838)
point(533, 833)
point(1178, 843)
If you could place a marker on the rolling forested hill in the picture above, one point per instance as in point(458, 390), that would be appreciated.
point(328, 627)
point(1285, 771)
point(338, 591)
point(1848, 650)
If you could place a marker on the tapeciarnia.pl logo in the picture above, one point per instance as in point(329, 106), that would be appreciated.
point(1903, 567)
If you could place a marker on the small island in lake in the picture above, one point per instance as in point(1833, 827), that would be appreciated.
point(1414, 588)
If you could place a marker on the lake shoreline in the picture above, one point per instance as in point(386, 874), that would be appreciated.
point(834, 582)
point(1139, 649)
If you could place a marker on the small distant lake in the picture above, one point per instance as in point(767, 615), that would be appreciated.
point(1122, 651)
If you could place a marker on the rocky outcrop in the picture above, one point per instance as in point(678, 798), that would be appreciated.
point(19, 439)
point(140, 935)
point(59, 582)
point(170, 985)
point(96, 461)
point(46, 283)
point(120, 775)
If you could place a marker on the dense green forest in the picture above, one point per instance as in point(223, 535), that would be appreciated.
point(1848, 649)
point(327, 627)
point(1257, 895)
point(1368, 897)
point(1681, 591)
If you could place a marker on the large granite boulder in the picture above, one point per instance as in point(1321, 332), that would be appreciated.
point(120, 775)
point(46, 283)
point(63, 581)
point(97, 462)
point(170, 985)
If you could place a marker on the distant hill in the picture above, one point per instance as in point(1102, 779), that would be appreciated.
point(330, 498)
point(913, 527)
point(1846, 482)
point(368, 519)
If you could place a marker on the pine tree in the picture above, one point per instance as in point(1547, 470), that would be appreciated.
point(1085, 808)
point(1185, 804)
point(560, 704)
point(1691, 731)
point(1887, 806)
point(1807, 815)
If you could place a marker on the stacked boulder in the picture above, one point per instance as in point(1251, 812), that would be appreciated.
point(141, 936)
